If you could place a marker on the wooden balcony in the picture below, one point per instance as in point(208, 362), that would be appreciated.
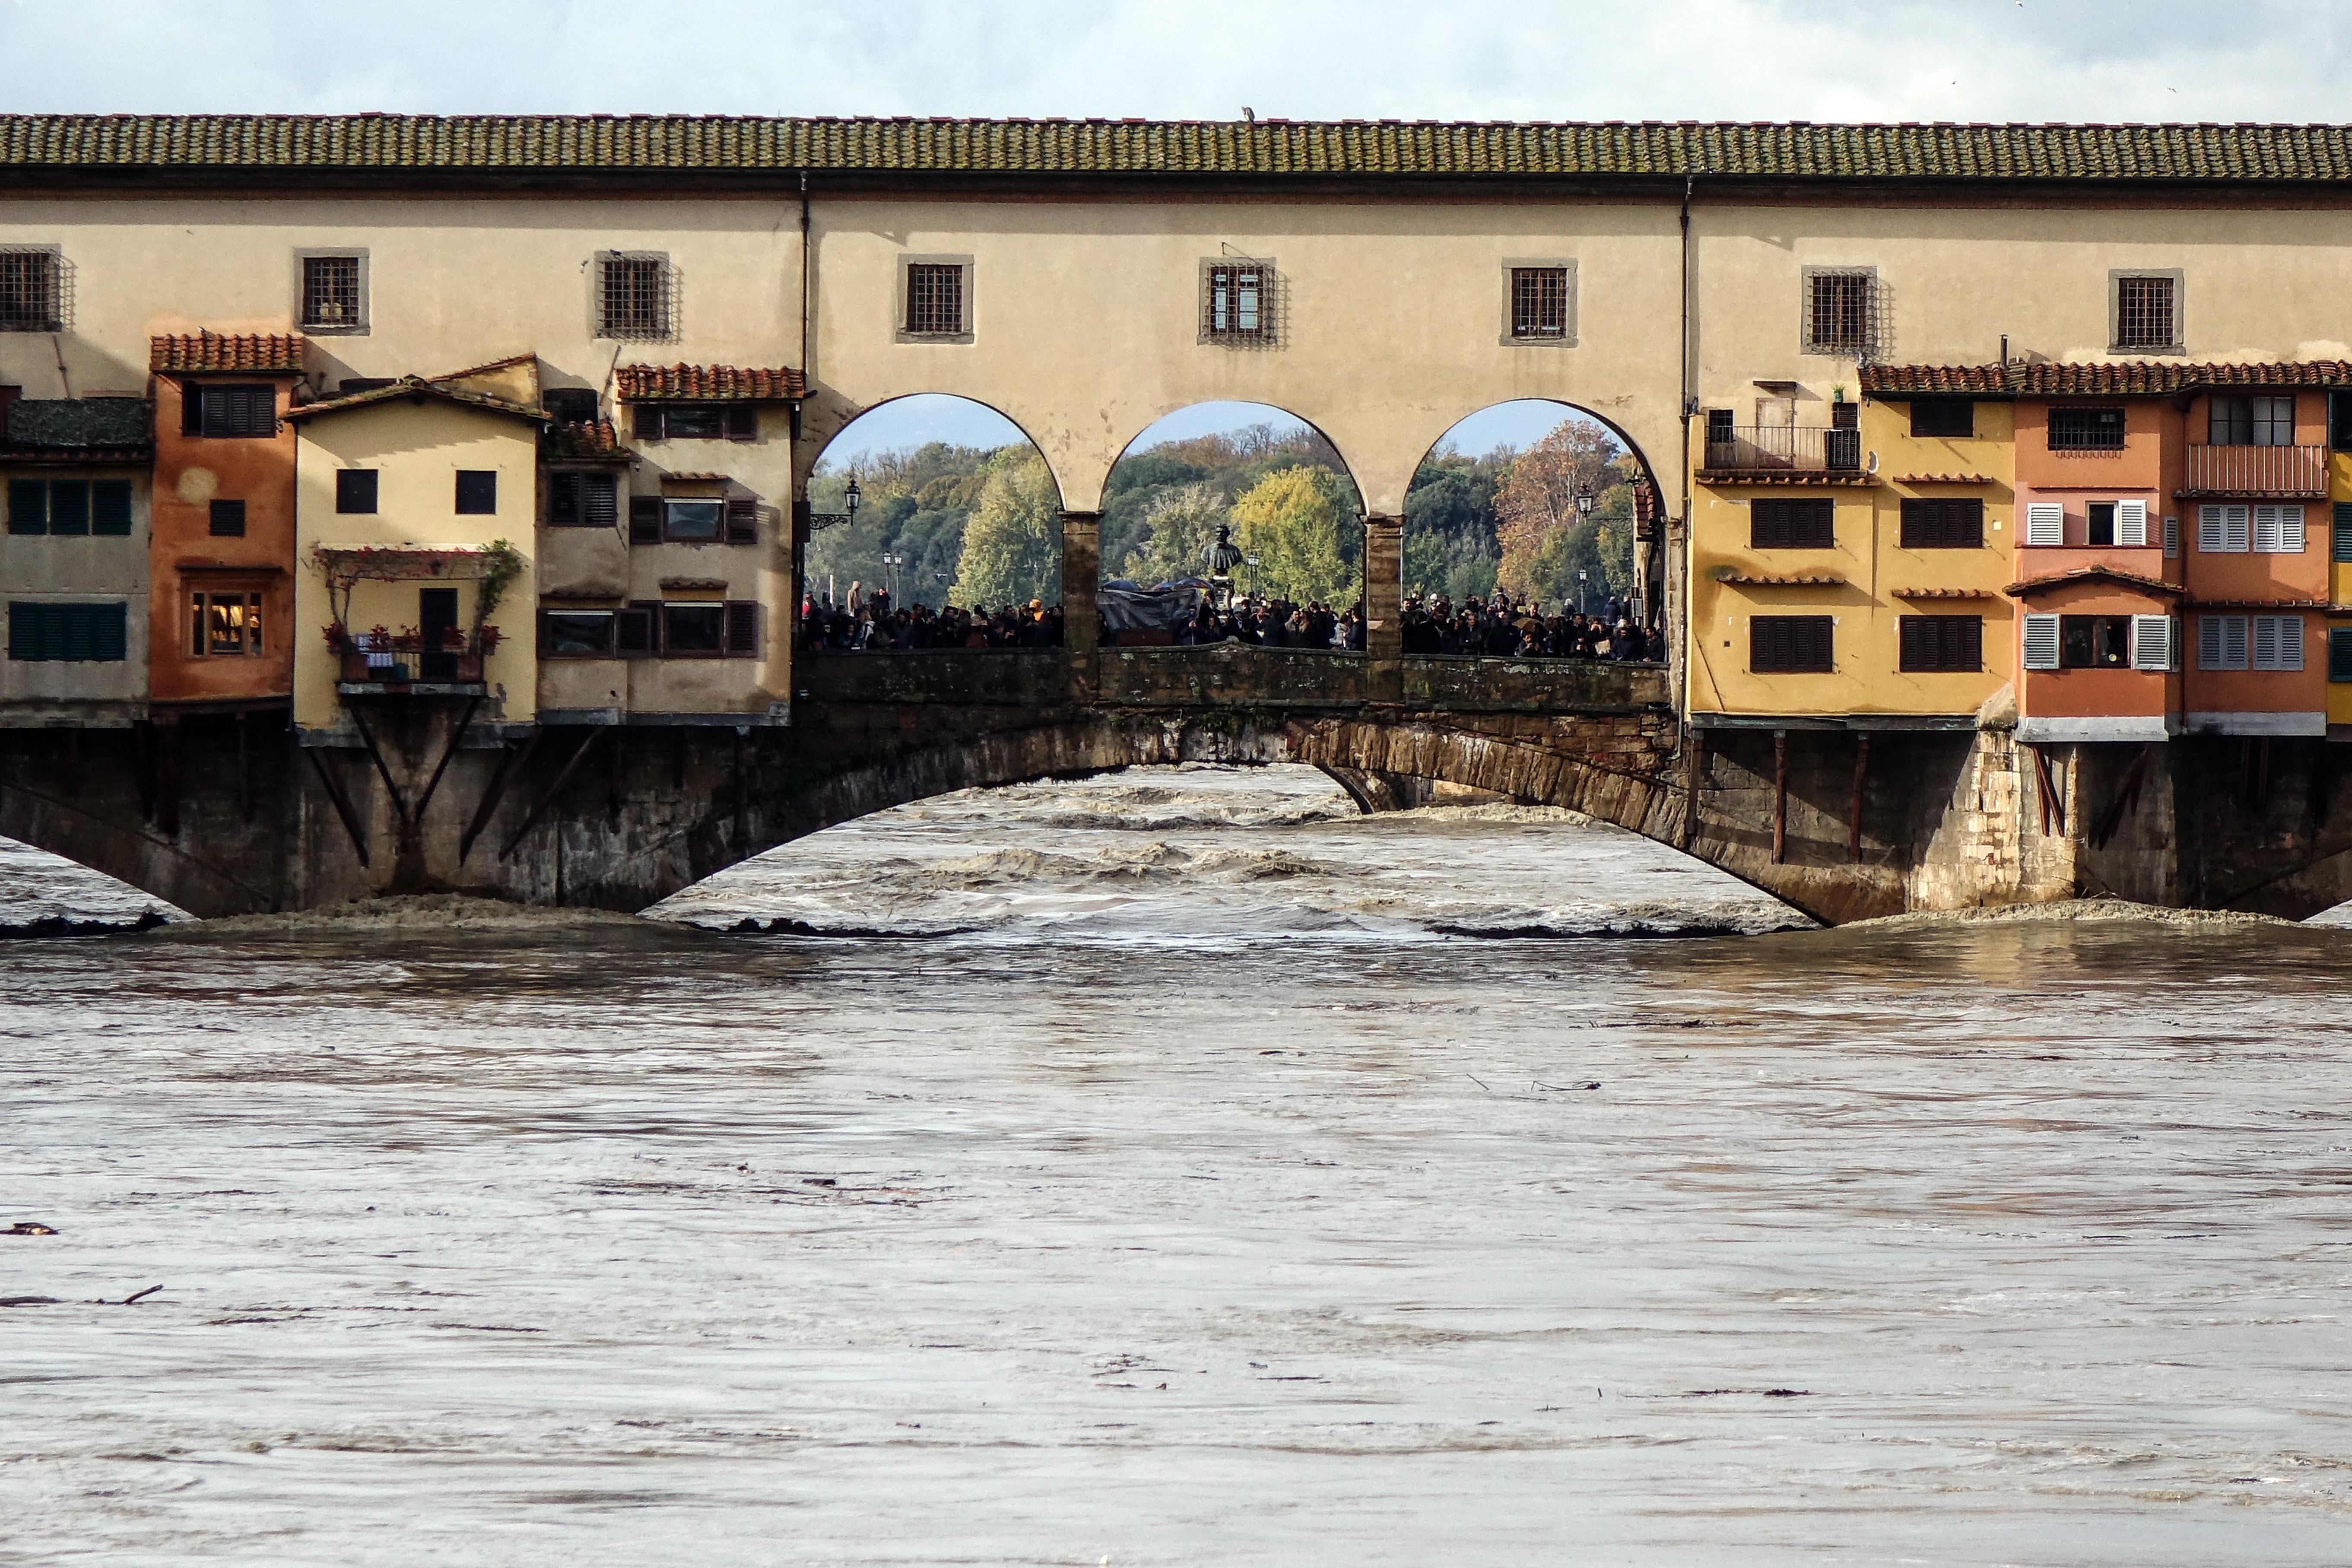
point(1769, 452)
point(2287, 473)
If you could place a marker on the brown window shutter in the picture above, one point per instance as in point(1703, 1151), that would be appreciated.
point(192, 408)
point(645, 520)
point(633, 631)
point(742, 628)
point(743, 422)
point(597, 503)
point(646, 421)
point(563, 500)
point(743, 521)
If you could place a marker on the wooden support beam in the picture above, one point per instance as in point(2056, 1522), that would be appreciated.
point(167, 779)
point(448, 752)
point(367, 738)
point(1693, 768)
point(2053, 807)
point(1779, 797)
point(510, 762)
point(742, 794)
point(245, 765)
point(341, 801)
point(1854, 816)
point(562, 778)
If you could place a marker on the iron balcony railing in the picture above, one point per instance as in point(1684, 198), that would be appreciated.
point(1783, 449)
point(2297, 472)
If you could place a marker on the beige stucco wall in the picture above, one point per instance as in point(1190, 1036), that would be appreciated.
point(451, 282)
point(1086, 319)
point(77, 569)
point(416, 450)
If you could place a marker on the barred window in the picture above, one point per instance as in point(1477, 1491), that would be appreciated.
point(331, 292)
point(633, 297)
point(935, 297)
point(1538, 302)
point(2086, 429)
point(1943, 523)
point(29, 298)
point(2144, 316)
point(1237, 303)
point(1838, 312)
point(1940, 643)
point(1789, 645)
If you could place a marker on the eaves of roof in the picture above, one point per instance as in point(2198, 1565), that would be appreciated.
point(248, 353)
point(708, 383)
point(677, 144)
point(2129, 378)
point(410, 386)
point(2032, 585)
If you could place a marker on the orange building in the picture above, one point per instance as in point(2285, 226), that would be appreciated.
point(221, 594)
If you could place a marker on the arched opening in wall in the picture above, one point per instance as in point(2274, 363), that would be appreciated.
point(1523, 534)
point(955, 539)
point(38, 890)
point(1232, 522)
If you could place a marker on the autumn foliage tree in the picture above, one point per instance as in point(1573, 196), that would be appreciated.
point(1535, 507)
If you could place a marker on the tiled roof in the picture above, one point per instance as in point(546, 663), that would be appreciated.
point(673, 143)
point(2133, 378)
point(1741, 580)
point(114, 424)
point(2032, 585)
point(585, 441)
point(417, 386)
point(17, 455)
point(707, 383)
point(1944, 480)
point(263, 354)
point(1942, 592)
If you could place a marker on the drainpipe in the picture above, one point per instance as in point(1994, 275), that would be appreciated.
point(799, 510)
point(1679, 584)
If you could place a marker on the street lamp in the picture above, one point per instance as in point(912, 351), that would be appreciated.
point(1251, 562)
point(1584, 503)
point(890, 564)
point(1579, 594)
point(823, 520)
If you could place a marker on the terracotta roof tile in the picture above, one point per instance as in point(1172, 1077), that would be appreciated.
point(261, 354)
point(1942, 592)
point(588, 440)
point(2132, 378)
point(672, 143)
point(1945, 479)
point(707, 383)
point(2032, 585)
point(418, 387)
point(1742, 580)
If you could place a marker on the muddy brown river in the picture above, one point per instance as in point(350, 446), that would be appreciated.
point(1170, 1168)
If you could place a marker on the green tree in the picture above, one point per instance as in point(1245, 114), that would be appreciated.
point(1293, 521)
point(1537, 501)
point(1012, 540)
point(1174, 533)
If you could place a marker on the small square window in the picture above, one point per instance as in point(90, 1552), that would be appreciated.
point(478, 492)
point(334, 296)
point(31, 299)
point(2086, 429)
point(1841, 310)
point(633, 296)
point(1541, 304)
point(355, 491)
point(227, 412)
point(693, 630)
point(576, 634)
point(229, 520)
point(935, 298)
point(1237, 302)
point(697, 521)
point(2147, 312)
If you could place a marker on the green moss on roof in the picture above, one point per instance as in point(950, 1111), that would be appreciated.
point(719, 143)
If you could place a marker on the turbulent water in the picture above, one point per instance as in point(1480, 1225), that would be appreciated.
point(1166, 1170)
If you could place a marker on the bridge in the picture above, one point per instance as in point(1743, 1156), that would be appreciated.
point(228, 814)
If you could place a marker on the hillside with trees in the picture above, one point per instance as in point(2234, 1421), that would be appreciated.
point(979, 526)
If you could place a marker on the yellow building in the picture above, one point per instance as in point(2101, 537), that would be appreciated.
point(415, 513)
point(1847, 560)
point(2340, 571)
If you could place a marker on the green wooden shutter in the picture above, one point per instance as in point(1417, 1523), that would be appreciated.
point(24, 630)
point(2343, 550)
point(69, 506)
point(110, 633)
point(109, 508)
point(28, 507)
point(2339, 655)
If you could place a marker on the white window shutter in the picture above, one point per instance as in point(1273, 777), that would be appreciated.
point(2151, 642)
point(2290, 529)
point(2045, 523)
point(2266, 530)
point(2209, 531)
point(2233, 642)
point(2233, 530)
point(2041, 642)
point(2172, 539)
point(2131, 522)
point(2266, 656)
point(2290, 639)
point(2208, 642)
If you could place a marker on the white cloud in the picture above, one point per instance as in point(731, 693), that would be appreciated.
point(1480, 59)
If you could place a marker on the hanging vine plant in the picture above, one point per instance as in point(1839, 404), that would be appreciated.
point(501, 565)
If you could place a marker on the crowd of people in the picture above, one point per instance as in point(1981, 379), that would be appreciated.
point(868, 623)
point(1497, 627)
point(1500, 627)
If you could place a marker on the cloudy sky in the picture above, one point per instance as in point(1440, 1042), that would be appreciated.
point(1480, 59)
point(1536, 59)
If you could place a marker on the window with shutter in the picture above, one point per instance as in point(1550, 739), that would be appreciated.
point(1943, 523)
point(695, 630)
point(2222, 529)
point(2172, 539)
point(743, 422)
point(743, 521)
point(742, 628)
point(28, 506)
point(2278, 642)
point(109, 508)
point(2339, 655)
point(1947, 643)
point(563, 500)
point(2278, 530)
point(228, 412)
point(2221, 642)
point(227, 518)
point(2045, 522)
point(645, 520)
point(576, 634)
point(635, 629)
point(646, 421)
point(77, 633)
point(1803, 523)
point(2099, 522)
point(2151, 642)
point(2341, 542)
point(2131, 524)
point(1789, 645)
point(69, 506)
point(2041, 642)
